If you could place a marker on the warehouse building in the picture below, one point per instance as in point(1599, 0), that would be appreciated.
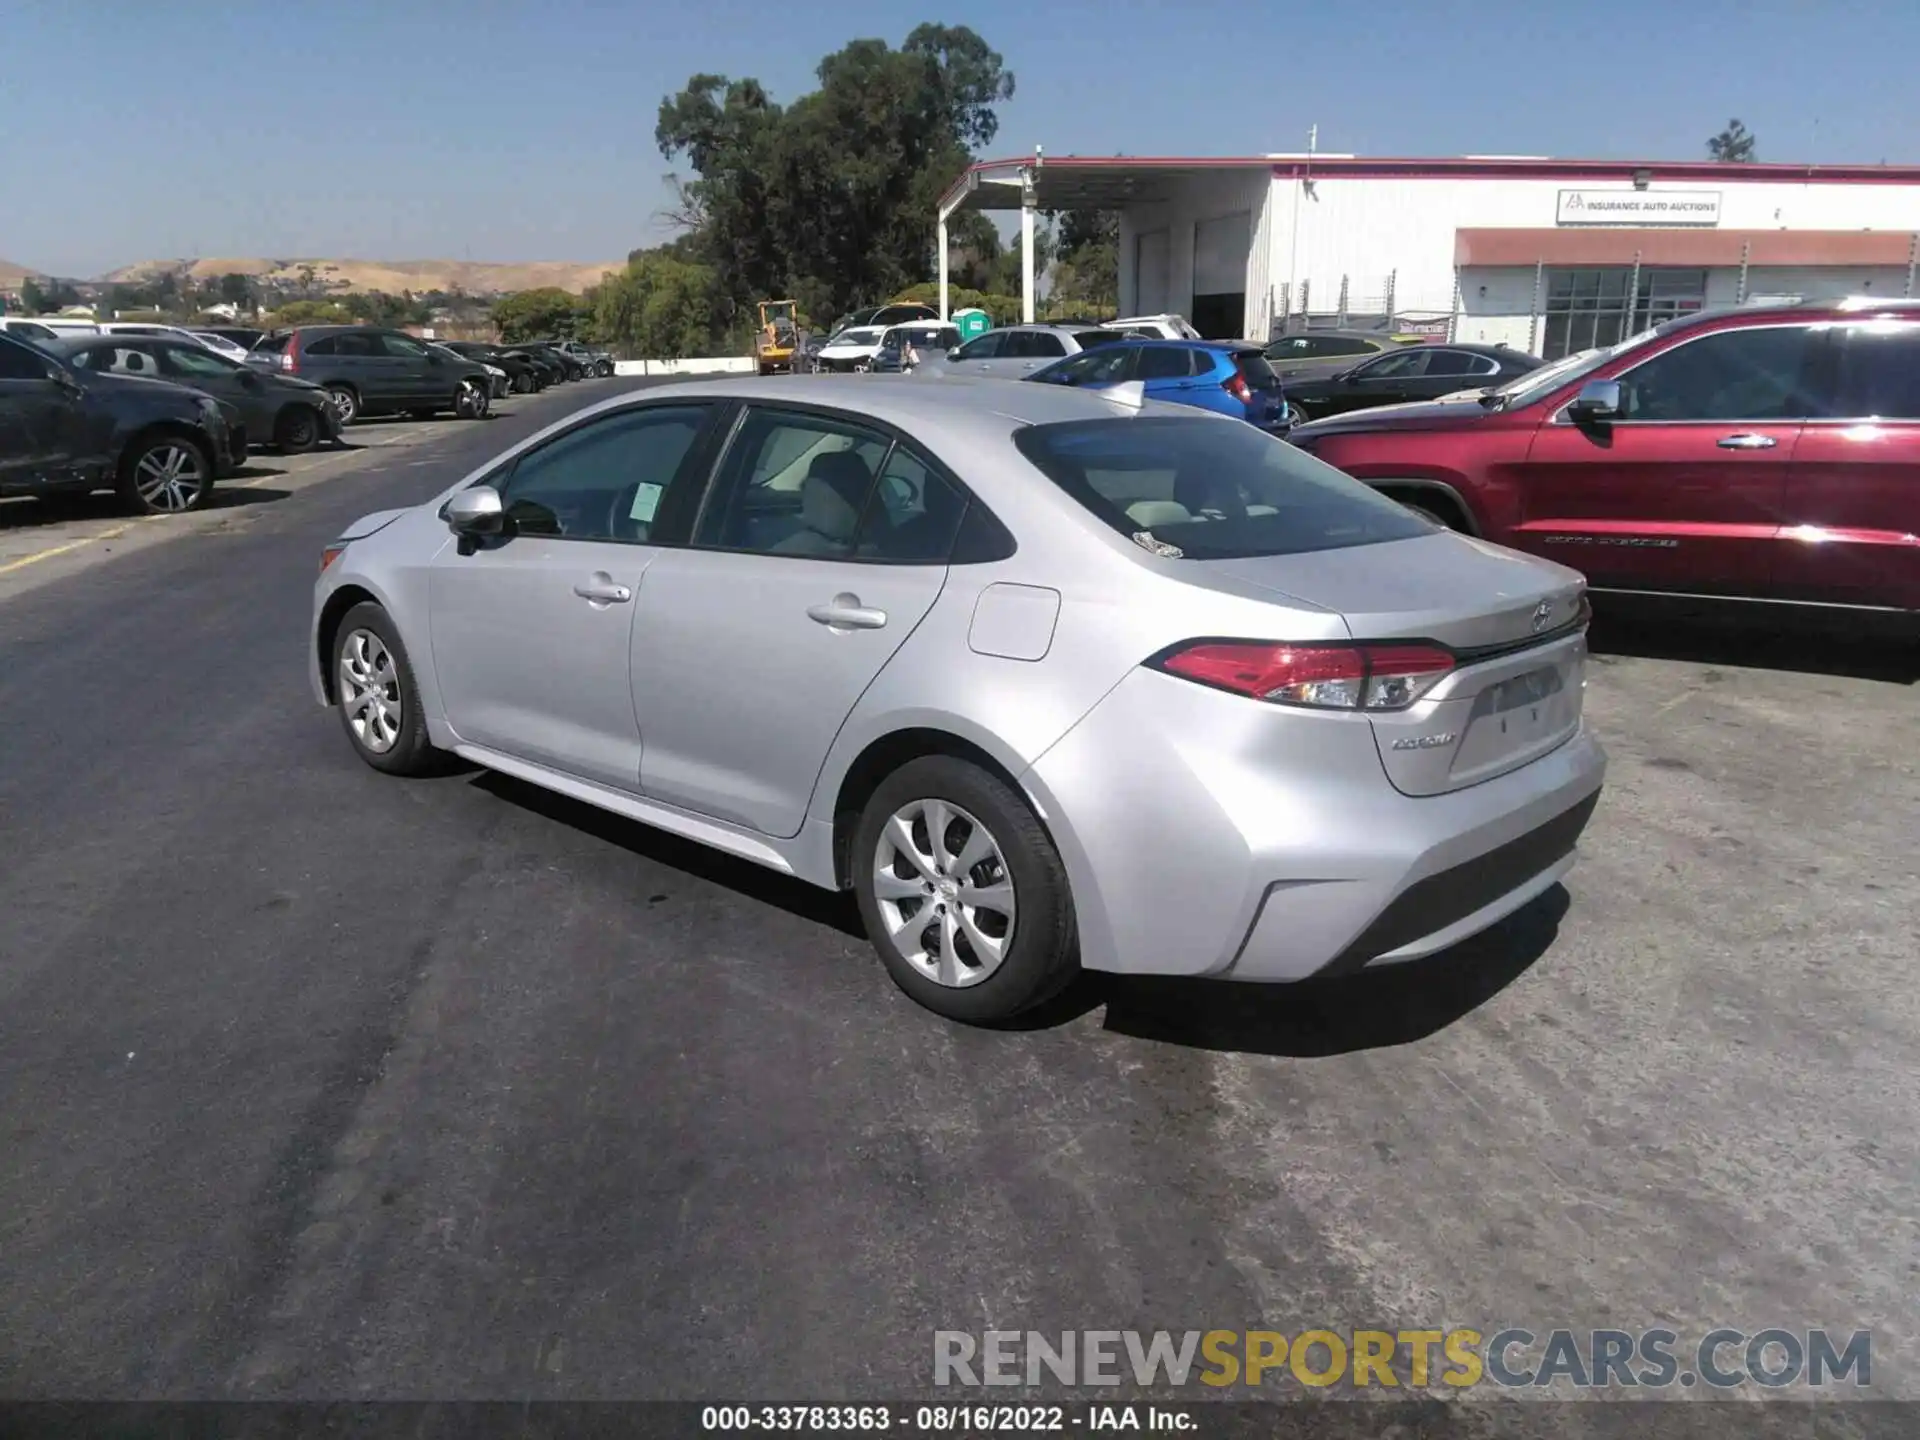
point(1550, 256)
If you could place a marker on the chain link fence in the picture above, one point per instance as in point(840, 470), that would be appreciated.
point(1374, 302)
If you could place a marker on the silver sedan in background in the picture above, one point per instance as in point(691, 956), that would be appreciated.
point(1048, 679)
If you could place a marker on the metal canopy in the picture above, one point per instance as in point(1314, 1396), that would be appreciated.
point(1080, 182)
point(1071, 182)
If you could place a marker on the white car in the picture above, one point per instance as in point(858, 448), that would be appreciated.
point(852, 349)
point(1156, 327)
point(221, 345)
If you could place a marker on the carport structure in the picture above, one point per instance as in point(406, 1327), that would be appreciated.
point(1227, 197)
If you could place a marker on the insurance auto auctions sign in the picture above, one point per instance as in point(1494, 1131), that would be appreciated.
point(1638, 207)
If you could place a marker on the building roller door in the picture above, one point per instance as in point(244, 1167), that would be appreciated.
point(1220, 250)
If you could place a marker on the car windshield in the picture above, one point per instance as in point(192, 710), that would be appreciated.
point(1206, 489)
point(857, 337)
point(1527, 388)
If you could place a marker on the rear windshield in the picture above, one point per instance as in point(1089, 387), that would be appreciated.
point(1255, 370)
point(272, 342)
point(1212, 489)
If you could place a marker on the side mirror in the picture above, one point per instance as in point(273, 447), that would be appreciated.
point(476, 511)
point(1597, 400)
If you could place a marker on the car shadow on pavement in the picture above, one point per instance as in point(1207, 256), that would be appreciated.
point(1314, 1019)
point(104, 506)
point(1736, 640)
point(755, 882)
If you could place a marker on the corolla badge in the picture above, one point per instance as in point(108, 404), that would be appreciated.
point(1423, 742)
point(1542, 613)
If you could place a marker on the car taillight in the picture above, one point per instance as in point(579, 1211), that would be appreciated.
point(1321, 677)
point(290, 357)
point(1236, 386)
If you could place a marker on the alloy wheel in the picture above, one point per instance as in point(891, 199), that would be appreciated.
point(944, 892)
point(370, 691)
point(170, 477)
point(471, 402)
point(346, 405)
point(1295, 415)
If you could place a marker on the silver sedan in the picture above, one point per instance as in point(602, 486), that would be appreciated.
point(1048, 679)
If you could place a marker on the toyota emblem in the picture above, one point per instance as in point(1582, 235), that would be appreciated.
point(1542, 613)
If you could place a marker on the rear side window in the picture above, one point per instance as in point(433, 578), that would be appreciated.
point(1879, 372)
point(1211, 489)
point(1255, 370)
point(1165, 362)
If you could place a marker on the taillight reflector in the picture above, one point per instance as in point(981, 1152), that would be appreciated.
point(331, 554)
point(1236, 386)
point(1321, 677)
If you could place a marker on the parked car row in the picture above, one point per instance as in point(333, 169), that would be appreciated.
point(71, 421)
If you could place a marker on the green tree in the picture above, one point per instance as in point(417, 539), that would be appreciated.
point(1086, 270)
point(311, 312)
point(660, 307)
point(33, 297)
point(237, 289)
point(532, 314)
point(828, 201)
point(1735, 144)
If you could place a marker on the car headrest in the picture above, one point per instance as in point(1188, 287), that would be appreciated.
point(833, 493)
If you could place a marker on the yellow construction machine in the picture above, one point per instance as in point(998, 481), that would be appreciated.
point(778, 336)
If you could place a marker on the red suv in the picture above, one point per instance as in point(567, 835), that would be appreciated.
point(1765, 454)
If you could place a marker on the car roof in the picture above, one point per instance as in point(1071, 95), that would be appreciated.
point(1232, 347)
point(903, 400)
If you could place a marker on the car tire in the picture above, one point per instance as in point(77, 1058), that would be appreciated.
point(345, 402)
point(298, 429)
point(165, 474)
point(523, 383)
point(1295, 415)
point(472, 400)
point(1040, 953)
point(368, 660)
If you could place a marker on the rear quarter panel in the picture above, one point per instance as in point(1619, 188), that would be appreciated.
point(1481, 463)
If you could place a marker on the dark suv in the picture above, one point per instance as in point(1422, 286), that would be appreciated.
point(369, 371)
point(1769, 453)
point(159, 445)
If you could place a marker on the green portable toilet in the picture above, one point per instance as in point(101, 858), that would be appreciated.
point(971, 322)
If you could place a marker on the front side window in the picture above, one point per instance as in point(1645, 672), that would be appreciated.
point(1105, 366)
point(981, 347)
point(1402, 365)
point(1756, 373)
point(1212, 491)
point(192, 361)
point(607, 480)
point(401, 348)
point(1879, 375)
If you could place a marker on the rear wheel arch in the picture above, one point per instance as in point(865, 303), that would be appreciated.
point(1435, 498)
point(882, 757)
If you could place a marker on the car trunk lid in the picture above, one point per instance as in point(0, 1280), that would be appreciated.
point(1514, 624)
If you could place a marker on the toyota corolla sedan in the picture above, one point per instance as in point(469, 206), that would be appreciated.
point(1049, 679)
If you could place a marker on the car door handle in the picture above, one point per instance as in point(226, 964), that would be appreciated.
point(1748, 442)
point(845, 612)
point(601, 590)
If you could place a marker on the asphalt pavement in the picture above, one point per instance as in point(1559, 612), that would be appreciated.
point(316, 1083)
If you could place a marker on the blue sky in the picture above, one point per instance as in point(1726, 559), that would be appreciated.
point(132, 129)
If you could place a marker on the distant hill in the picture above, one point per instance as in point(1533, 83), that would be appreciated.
point(392, 276)
point(12, 276)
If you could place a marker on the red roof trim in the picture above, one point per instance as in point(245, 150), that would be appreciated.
point(1460, 168)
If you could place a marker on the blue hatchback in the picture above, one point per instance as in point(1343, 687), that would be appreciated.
point(1230, 377)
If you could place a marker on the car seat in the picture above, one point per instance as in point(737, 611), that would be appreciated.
point(831, 499)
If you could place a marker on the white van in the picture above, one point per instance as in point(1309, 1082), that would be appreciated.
point(54, 325)
point(1156, 327)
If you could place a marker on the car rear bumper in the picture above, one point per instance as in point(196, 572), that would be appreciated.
point(1206, 834)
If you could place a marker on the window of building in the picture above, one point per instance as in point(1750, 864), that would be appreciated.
point(1587, 309)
